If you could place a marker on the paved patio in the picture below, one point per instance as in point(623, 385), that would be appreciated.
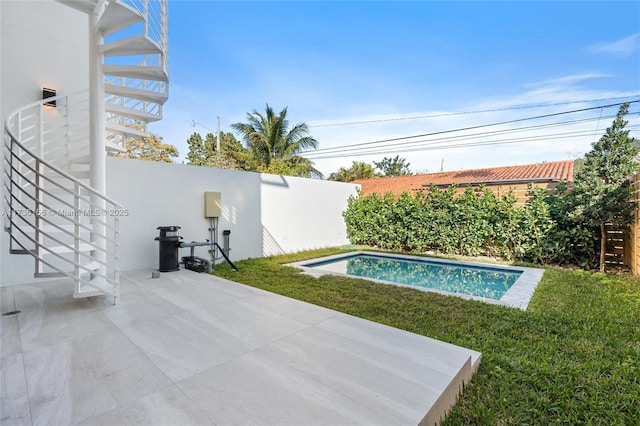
point(190, 348)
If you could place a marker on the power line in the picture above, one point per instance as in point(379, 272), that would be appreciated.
point(432, 147)
point(419, 117)
point(476, 135)
point(322, 150)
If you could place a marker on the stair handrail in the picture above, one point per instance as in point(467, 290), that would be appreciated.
point(42, 160)
point(15, 164)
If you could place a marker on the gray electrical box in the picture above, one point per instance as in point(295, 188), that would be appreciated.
point(212, 204)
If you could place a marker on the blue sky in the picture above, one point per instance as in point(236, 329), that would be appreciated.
point(382, 62)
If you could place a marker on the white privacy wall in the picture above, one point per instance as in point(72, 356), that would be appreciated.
point(302, 214)
point(266, 214)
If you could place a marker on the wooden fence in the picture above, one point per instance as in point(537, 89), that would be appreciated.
point(632, 243)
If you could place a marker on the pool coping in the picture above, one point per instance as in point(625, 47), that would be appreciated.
point(518, 296)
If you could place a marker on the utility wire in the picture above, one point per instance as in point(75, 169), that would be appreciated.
point(429, 145)
point(441, 145)
point(355, 149)
point(418, 117)
point(481, 126)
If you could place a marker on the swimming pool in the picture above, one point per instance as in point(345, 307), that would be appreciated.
point(506, 285)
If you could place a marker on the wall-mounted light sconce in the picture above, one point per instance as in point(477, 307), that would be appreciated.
point(49, 93)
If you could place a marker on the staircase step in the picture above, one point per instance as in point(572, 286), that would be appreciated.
point(93, 266)
point(49, 275)
point(19, 251)
point(90, 293)
point(128, 132)
point(136, 71)
point(112, 148)
point(69, 227)
point(117, 16)
point(81, 159)
point(87, 6)
point(129, 92)
point(98, 287)
point(80, 174)
point(132, 113)
point(84, 247)
point(136, 45)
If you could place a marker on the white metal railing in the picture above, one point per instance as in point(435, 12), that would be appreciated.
point(154, 86)
point(154, 13)
point(155, 28)
point(68, 227)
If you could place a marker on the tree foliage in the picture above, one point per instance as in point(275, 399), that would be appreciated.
point(292, 166)
point(270, 139)
point(232, 155)
point(149, 148)
point(396, 166)
point(199, 150)
point(602, 190)
point(358, 170)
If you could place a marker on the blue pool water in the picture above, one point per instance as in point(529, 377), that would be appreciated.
point(482, 281)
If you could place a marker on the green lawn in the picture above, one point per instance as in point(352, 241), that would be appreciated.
point(572, 358)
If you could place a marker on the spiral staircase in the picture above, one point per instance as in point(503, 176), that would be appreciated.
point(51, 211)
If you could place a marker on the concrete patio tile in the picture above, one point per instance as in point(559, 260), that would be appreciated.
point(174, 281)
point(7, 301)
point(127, 287)
point(72, 381)
point(252, 390)
point(192, 295)
point(248, 322)
point(9, 336)
point(382, 382)
point(14, 398)
point(237, 290)
point(443, 356)
point(60, 323)
point(183, 344)
point(138, 307)
point(300, 311)
point(166, 407)
point(48, 295)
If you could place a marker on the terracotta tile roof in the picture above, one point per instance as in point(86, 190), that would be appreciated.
point(552, 171)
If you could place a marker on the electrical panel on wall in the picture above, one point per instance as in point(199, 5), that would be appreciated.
point(212, 204)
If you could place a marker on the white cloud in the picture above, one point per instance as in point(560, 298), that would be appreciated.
point(622, 47)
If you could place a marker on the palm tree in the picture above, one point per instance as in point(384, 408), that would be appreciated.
point(268, 136)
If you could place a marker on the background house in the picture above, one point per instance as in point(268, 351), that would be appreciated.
point(500, 180)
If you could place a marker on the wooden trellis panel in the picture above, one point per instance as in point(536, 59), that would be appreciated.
point(633, 242)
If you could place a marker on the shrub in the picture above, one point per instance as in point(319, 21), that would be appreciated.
point(473, 223)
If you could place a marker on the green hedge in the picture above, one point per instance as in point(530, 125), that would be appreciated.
point(476, 222)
